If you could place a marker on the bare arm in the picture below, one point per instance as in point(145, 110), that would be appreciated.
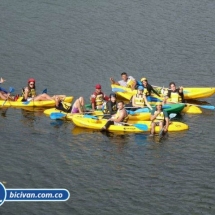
point(133, 85)
point(167, 124)
point(146, 102)
point(113, 81)
point(2, 80)
point(121, 116)
point(153, 117)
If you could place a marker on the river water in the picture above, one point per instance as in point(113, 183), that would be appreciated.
point(68, 47)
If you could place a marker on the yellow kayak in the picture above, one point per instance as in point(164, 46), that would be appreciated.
point(191, 109)
point(19, 103)
point(131, 126)
point(57, 114)
point(189, 92)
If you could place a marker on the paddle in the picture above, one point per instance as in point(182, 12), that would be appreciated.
point(95, 116)
point(144, 110)
point(27, 102)
point(140, 126)
point(11, 90)
point(57, 115)
point(209, 107)
point(172, 115)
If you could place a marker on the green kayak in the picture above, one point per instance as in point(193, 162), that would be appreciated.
point(170, 108)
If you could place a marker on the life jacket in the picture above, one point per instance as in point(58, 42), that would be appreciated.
point(160, 116)
point(130, 83)
point(31, 93)
point(105, 108)
point(175, 97)
point(139, 100)
point(99, 99)
point(64, 106)
point(125, 119)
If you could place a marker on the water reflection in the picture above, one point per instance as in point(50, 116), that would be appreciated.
point(3, 112)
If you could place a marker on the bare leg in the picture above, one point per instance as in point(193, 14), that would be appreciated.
point(79, 104)
point(2, 95)
point(43, 97)
point(152, 128)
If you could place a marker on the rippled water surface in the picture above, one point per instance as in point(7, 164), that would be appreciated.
point(68, 47)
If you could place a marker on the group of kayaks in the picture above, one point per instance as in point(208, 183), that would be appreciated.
point(139, 120)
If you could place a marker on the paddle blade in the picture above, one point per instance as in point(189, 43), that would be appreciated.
point(140, 126)
point(26, 102)
point(57, 115)
point(209, 107)
point(142, 110)
point(45, 91)
point(153, 99)
point(11, 90)
point(166, 106)
point(172, 115)
point(90, 117)
point(118, 90)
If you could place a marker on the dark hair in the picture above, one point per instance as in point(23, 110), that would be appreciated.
point(112, 95)
point(120, 102)
point(123, 73)
point(172, 83)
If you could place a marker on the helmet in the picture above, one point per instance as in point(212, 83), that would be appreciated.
point(158, 103)
point(143, 79)
point(112, 95)
point(140, 88)
point(31, 80)
point(98, 86)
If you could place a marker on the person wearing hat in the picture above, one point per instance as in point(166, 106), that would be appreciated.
point(127, 81)
point(139, 100)
point(174, 95)
point(159, 117)
point(148, 89)
point(29, 93)
point(98, 98)
point(110, 107)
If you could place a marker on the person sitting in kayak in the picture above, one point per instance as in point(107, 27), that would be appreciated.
point(139, 100)
point(29, 93)
point(174, 95)
point(77, 107)
point(127, 81)
point(159, 117)
point(148, 89)
point(119, 118)
point(110, 107)
point(4, 94)
point(98, 98)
